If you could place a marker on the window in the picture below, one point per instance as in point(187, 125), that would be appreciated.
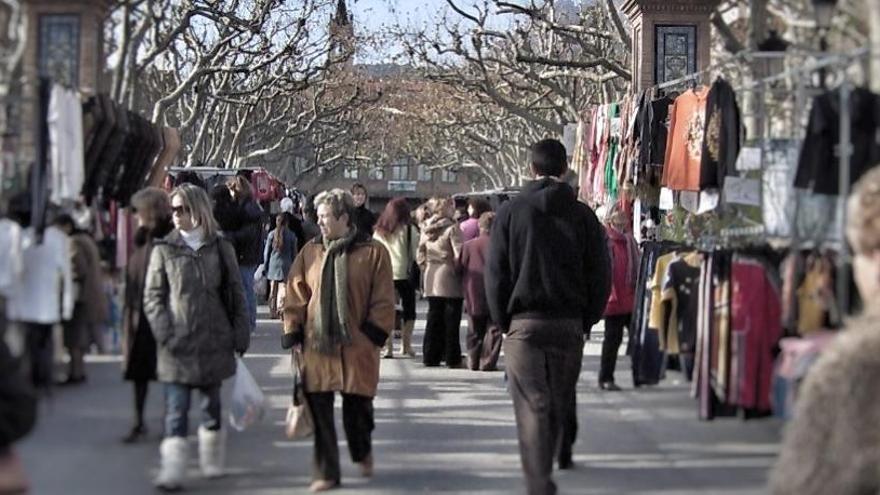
point(377, 173)
point(400, 172)
point(426, 174)
point(59, 48)
point(351, 173)
point(449, 176)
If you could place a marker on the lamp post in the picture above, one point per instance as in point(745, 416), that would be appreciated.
point(823, 11)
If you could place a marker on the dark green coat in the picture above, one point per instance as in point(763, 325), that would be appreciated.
point(194, 301)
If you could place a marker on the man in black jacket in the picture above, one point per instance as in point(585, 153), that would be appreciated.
point(547, 281)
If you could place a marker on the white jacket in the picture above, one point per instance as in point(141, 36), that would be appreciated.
point(44, 290)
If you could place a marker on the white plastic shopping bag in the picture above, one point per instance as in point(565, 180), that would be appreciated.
point(248, 402)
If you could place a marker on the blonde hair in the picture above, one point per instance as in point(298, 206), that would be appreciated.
point(339, 201)
point(196, 199)
point(863, 213)
point(152, 204)
point(437, 205)
point(242, 188)
point(486, 220)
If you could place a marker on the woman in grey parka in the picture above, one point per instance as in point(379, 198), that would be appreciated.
point(192, 279)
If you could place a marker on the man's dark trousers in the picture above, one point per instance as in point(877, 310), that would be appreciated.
point(357, 419)
point(543, 362)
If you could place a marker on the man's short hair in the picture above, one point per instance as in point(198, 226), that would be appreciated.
point(548, 158)
point(358, 185)
point(339, 202)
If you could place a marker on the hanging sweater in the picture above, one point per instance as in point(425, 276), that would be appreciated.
point(684, 148)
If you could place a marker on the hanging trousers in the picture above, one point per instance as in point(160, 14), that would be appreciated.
point(357, 419)
point(614, 326)
point(442, 332)
point(543, 362)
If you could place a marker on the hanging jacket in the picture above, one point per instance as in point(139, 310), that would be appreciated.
point(721, 136)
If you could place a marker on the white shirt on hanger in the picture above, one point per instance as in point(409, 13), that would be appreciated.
point(66, 148)
point(10, 261)
point(44, 290)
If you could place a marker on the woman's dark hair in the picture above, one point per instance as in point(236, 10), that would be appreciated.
point(280, 225)
point(189, 177)
point(480, 206)
point(395, 214)
point(548, 158)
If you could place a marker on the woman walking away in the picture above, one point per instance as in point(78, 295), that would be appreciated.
point(153, 210)
point(194, 302)
point(831, 445)
point(395, 231)
point(624, 271)
point(281, 248)
point(439, 249)
point(484, 336)
point(246, 240)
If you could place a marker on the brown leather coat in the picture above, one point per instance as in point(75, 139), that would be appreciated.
point(354, 369)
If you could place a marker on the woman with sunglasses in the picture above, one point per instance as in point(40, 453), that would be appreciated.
point(195, 304)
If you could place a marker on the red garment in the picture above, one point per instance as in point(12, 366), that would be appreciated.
point(262, 185)
point(624, 266)
point(756, 327)
point(472, 264)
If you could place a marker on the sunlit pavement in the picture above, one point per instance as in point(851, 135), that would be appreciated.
point(437, 431)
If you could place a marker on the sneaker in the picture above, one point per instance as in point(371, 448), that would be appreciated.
point(366, 466)
point(323, 485)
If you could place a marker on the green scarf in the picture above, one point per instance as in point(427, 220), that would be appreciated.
point(331, 329)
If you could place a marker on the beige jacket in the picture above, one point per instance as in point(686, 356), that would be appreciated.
point(439, 249)
point(354, 369)
point(832, 445)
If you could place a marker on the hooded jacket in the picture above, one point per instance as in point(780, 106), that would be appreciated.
point(194, 302)
point(439, 249)
point(548, 258)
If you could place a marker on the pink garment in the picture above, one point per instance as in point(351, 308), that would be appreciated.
point(471, 265)
point(756, 329)
point(470, 229)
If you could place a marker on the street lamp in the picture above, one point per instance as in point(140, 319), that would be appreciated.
point(823, 11)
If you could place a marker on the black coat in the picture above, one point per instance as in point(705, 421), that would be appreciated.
point(139, 346)
point(548, 258)
point(364, 219)
point(18, 401)
point(819, 164)
point(248, 238)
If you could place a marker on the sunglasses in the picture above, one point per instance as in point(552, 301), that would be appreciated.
point(180, 210)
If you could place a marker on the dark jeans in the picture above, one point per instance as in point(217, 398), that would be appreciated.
point(250, 297)
point(177, 400)
point(442, 332)
point(483, 343)
point(407, 295)
point(357, 419)
point(543, 362)
point(614, 326)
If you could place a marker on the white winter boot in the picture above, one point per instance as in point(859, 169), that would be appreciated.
point(212, 452)
point(173, 452)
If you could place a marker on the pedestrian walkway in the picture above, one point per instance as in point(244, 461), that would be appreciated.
point(437, 431)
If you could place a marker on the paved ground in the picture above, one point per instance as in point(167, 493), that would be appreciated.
point(438, 431)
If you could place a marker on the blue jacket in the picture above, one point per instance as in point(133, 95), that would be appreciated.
point(278, 263)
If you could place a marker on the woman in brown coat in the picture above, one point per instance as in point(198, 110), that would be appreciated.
point(340, 309)
point(439, 249)
point(153, 210)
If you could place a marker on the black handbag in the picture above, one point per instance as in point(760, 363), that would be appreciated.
point(413, 272)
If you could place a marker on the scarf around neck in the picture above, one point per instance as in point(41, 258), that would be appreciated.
point(194, 238)
point(331, 328)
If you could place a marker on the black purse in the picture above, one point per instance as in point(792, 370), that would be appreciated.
point(413, 272)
